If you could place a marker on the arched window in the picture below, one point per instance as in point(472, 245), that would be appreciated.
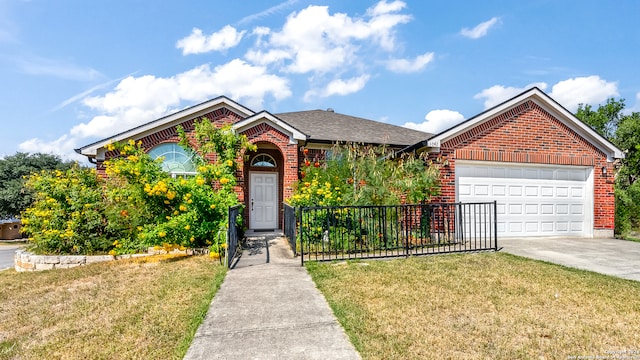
point(176, 160)
point(263, 160)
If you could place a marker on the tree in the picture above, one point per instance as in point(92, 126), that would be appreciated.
point(623, 130)
point(14, 198)
point(627, 138)
point(604, 119)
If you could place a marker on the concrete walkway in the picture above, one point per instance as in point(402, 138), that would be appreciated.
point(615, 257)
point(268, 308)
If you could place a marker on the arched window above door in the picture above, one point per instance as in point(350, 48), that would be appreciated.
point(176, 160)
point(263, 160)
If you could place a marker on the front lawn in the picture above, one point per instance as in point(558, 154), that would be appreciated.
point(124, 309)
point(480, 306)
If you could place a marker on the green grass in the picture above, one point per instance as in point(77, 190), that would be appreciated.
point(479, 306)
point(631, 238)
point(126, 309)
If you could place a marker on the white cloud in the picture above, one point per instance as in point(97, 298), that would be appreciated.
point(345, 87)
point(334, 50)
point(569, 93)
point(86, 93)
point(259, 32)
point(313, 40)
point(339, 87)
point(480, 30)
point(437, 121)
point(331, 46)
point(265, 58)
point(583, 90)
point(136, 100)
point(384, 7)
point(58, 68)
point(410, 66)
point(636, 107)
point(62, 146)
point(497, 93)
point(197, 43)
point(270, 11)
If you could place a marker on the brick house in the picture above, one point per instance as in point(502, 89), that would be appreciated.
point(550, 174)
point(265, 180)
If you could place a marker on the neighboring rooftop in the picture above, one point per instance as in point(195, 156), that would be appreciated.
point(329, 126)
point(9, 220)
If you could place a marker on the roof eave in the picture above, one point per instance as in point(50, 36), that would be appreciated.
point(265, 116)
point(547, 103)
point(164, 122)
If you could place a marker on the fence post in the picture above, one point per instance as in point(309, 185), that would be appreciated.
point(495, 223)
point(407, 230)
point(228, 240)
point(232, 234)
point(298, 212)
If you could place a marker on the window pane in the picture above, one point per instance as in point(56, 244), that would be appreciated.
point(263, 160)
point(176, 159)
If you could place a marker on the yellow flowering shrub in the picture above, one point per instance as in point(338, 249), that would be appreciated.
point(364, 175)
point(352, 174)
point(160, 209)
point(68, 213)
point(137, 205)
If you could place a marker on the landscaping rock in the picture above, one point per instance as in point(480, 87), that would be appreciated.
point(98, 258)
point(44, 266)
point(72, 259)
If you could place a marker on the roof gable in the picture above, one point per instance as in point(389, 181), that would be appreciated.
point(547, 104)
point(171, 120)
point(266, 117)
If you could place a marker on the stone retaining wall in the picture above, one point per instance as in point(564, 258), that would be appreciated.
point(26, 261)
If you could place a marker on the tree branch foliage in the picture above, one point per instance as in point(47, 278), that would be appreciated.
point(623, 130)
point(14, 170)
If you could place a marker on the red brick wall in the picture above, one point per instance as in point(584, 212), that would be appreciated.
point(529, 134)
point(263, 134)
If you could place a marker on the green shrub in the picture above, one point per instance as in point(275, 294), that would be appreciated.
point(355, 174)
point(68, 213)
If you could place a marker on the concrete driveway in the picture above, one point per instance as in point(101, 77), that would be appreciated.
point(615, 257)
point(7, 251)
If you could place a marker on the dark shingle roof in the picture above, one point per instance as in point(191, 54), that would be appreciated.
point(329, 126)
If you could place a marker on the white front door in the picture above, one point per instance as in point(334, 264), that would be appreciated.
point(263, 201)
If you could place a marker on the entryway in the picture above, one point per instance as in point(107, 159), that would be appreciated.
point(263, 200)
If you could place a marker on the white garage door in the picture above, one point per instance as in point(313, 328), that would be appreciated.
point(531, 201)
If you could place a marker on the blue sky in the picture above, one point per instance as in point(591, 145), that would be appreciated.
point(75, 71)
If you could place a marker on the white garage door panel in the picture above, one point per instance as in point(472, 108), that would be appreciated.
point(531, 201)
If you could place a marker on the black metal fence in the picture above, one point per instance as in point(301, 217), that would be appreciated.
point(290, 222)
point(233, 234)
point(354, 232)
